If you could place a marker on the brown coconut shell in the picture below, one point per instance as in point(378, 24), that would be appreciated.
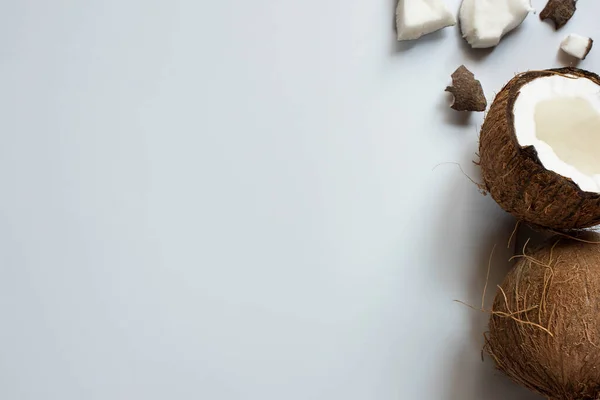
point(467, 91)
point(559, 12)
point(544, 332)
point(514, 175)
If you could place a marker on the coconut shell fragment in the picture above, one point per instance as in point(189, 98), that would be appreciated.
point(544, 331)
point(467, 91)
point(514, 175)
point(559, 12)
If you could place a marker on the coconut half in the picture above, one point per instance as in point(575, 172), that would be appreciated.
point(540, 148)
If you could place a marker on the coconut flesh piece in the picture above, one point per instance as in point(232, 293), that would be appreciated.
point(577, 46)
point(415, 18)
point(484, 22)
point(560, 117)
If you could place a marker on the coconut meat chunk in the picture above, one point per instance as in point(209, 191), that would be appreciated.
point(415, 18)
point(576, 45)
point(484, 22)
point(560, 117)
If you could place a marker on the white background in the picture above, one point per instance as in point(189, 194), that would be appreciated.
point(237, 200)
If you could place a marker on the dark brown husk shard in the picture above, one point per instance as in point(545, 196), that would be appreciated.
point(544, 332)
point(467, 91)
point(559, 12)
point(515, 177)
point(589, 48)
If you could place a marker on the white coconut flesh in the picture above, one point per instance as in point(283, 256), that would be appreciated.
point(484, 22)
point(576, 45)
point(415, 18)
point(560, 117)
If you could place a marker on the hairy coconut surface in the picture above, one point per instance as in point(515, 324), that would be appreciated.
point(544, 332)
point(516, 178)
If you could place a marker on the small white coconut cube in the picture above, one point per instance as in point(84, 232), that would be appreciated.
point(576, 45)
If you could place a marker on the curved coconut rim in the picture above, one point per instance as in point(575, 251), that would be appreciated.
point(529, 151)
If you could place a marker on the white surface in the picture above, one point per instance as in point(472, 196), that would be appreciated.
point(415, 18)
point(578, 119)
point(575, 45)
point(236, 200)
point(485, 22)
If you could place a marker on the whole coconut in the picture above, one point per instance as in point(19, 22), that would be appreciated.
point(513, 171)
point(544, 332)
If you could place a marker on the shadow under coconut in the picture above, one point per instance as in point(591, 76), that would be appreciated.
point(566, 59)
point(453, 117)
point(531, 237)
point(479, 55)
point(486, 381)
point(407, 45)
point(471, 54)
point(474, 226)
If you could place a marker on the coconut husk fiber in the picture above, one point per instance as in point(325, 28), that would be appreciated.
point(514, 175)
point(544, 331)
